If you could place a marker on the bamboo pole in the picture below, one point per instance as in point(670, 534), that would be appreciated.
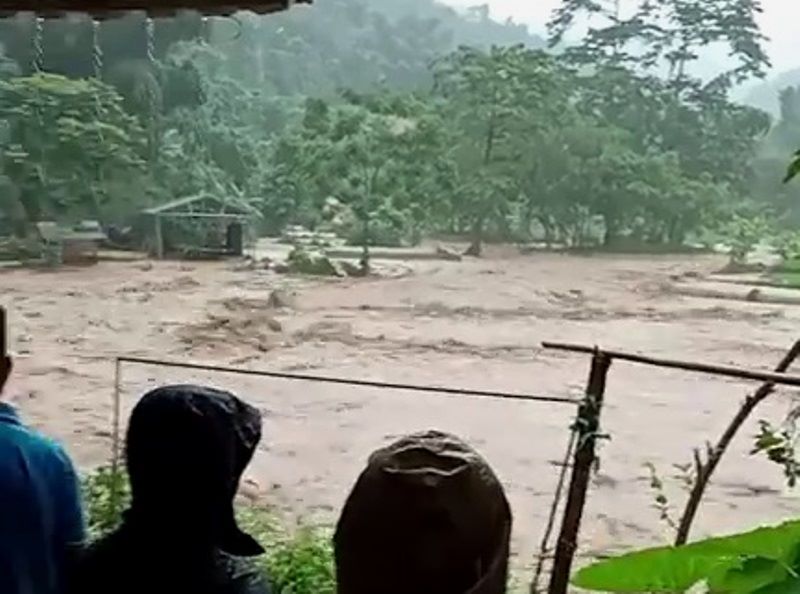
point(586, 427)
point(723, 370)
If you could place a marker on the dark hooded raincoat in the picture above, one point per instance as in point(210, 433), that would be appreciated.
point(187, 447)
point(427, 516)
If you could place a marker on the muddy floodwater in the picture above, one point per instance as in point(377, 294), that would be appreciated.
point(472, 324)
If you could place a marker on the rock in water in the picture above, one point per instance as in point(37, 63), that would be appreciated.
point(754, 295)
point(280, 299)
point(448, 254)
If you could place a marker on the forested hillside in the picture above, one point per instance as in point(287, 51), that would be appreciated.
point(389, 121)
point(348, 44)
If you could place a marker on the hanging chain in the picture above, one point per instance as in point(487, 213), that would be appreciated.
point(97, 50)
point(150, 33)
point(37, 64)
point(206, 29)
point(97, 63)
point(37, 67)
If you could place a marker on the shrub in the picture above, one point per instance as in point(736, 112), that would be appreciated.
point(787, 246)
point(743, 235)
point(303, 261)
point(105, 494)
point(301, 563)
point(297, 562)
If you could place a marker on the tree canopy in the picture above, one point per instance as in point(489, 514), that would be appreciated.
point(390, 122)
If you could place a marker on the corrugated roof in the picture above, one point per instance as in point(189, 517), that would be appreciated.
point(231, 205)
point(101, 9)
point(52, 232)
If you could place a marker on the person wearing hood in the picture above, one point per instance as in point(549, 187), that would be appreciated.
point(426, 516)
point(186, 449)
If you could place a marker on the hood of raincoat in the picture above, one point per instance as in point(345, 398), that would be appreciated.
point(427, 515)
point(186, 449)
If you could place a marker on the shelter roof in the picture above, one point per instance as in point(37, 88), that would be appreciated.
point(101, 9)
point(203, 204)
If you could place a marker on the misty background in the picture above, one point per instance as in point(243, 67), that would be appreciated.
point(778, 23)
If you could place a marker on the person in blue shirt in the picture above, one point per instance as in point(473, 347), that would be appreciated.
point(41, 519)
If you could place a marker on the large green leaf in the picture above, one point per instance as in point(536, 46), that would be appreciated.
point(739, 564)
point(794, 168)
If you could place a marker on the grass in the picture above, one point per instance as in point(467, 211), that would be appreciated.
point(787, 274)
point(790, 280)
point(297, 561)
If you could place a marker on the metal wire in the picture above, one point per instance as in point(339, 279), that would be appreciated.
point(354, 382)
point(544, 547)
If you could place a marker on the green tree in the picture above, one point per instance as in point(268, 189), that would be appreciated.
point(382, 157)
point(669, 33)
point(499, 99)
point(69, 145)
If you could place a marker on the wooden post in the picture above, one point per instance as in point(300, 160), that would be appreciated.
point(586, 428)
point(115, 494)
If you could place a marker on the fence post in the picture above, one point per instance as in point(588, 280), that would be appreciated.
point(115, 494)
point(586, 427)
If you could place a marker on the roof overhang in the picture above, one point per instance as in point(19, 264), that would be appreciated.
point(101, 9)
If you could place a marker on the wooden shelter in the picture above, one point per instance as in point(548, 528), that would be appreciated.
point(77, 245)
point(231, 216)
point(100, 9)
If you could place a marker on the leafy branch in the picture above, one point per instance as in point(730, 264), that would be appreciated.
point(794, 168)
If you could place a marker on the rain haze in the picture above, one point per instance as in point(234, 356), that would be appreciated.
point(370, 218)
point(779, 22)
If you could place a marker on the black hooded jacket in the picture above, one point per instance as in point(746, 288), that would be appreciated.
point(187, 447)
point(426, 516)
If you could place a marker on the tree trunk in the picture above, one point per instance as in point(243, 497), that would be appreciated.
point(365, 256)
point(676, 234)
point(476, 247)
point(549, 231)
point(611, 234)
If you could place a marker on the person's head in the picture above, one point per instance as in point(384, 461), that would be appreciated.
point(5, 371)
point(426, 515)
point(5, 359)
point(186, 449)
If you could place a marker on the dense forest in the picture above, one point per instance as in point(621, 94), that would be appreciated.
point(390, 121)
